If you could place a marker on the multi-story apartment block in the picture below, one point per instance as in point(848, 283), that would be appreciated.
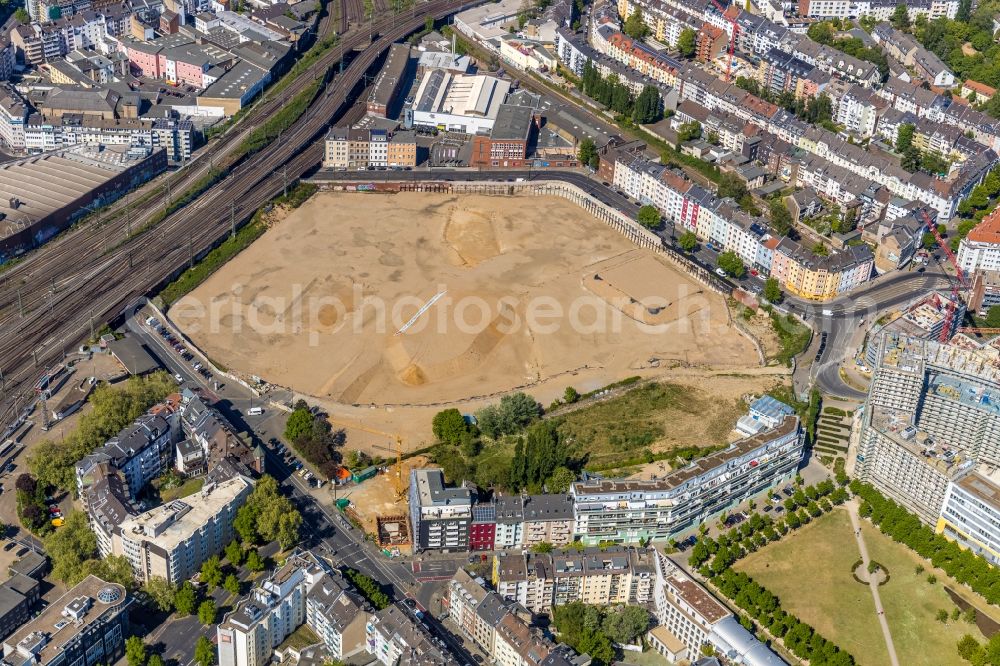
point(500, 627)
point(970, 515)
point(547, 519)
point(172, 540)
point(613, 575)
point(439, 516)
point(690, 618)
point(627, 510)
point(980, 249)
point(348, 148)
point(141, 452)
point(396, 638)
point(304, 590)
point(509, 511)
point(87, 624)
point(879, 9)
point(932, 414)
point(806, 274)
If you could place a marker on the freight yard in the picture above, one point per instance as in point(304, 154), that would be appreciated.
point(422, 299)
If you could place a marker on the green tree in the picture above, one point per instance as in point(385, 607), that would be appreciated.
point(647, 109)
point(135, 651)
point(687, 241)
point(560, 480)
point(928, 241)
point(731, 263)
point(186, 599)
point(781, 218)
point(300, 423)
point(204, 652)
point(155, 660)
point(772, 291)
point(161, 592)
point(911, 159)
point(587, 151)
point(289, 524)
point(731, 186)
point(234, 553)
point(970, 650)
point(687, 42)
point(819, 249)
point(429, 24)
point(255, 562)
point(206, 612)
point(231, 584)
point(900, 17)
point(21, 16)
point(649, 217)
point(449, 426)
point(70, 547)
point(211, 572)
point(542, 547)
point(625, 624)
point(904, 137)
point(689, 131)
point(570, 395)
point(635, 27)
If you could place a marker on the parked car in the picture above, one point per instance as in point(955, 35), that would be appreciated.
point(10, 546)
point(721, 273)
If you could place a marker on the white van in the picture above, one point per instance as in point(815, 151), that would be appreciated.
point(255, 411)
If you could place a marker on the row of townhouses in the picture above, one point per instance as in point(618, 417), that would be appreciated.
point(605, 511)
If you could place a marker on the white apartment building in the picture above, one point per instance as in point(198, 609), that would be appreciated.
point(980, 250)
point(630, 510)
point(932, 415)
point(695, 618)
point(970, 515)
point(338, 615)
point(172, 540)
point(140, 452)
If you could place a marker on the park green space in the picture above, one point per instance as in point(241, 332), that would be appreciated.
point(809, 570)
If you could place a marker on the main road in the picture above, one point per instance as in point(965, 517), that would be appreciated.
point(83, 282)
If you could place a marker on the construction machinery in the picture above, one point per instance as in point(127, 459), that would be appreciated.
point(734, 28)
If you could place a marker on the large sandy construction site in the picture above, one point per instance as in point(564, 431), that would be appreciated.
point(425, 299)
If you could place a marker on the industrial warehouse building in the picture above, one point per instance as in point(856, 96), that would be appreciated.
point(42, 195)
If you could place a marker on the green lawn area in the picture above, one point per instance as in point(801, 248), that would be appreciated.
point(911, 604)
point(647, 658)
point(654, 416)
point(810, 571)
point(189, 487)
point(301, 638)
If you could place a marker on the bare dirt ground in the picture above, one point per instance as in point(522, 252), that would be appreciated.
point(377, 496)
point(385, 308)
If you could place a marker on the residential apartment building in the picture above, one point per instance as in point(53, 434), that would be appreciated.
point(439, 516)
point(348, 148)
point(141, 452)
point(931, 416)
point(537, 581)
point(395, 638)
point(304, 590)
point(500, 628)
point(630, 510)
point(88, 624)
point(172, 540)
point(970, 514)
point(693, 618)
point(18, 596)
point(980, 249)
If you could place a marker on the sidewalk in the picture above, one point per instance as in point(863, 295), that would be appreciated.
point(852, 511)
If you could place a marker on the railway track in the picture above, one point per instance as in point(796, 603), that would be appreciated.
point(114, 225)
point(93, 286)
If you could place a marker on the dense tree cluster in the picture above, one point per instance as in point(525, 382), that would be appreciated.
point(687, 42)
point(537, 457)
point(614, 94)
point(509, 416)
point(53, 463)
point(594, 630)
point(268, 516)
point(32, 509)
point(635, 26)
point(314, 439)
point(587, 153)
point(824, 32)
point(368, 588)
point(904, 527)
point(73, 551)
point(731, 263)
point(817, 110)
point(450, 427)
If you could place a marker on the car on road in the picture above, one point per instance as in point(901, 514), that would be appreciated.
point(753, 272)
point(10, 546)
point(178, 378)
point(24, 551)
point(721, 273)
